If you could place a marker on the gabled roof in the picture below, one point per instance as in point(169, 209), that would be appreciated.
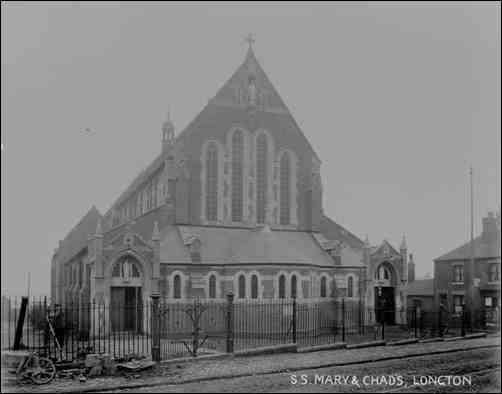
point(280, 116)
point(225, 97)
point(222, 245)
point(141, 226)
point(380, 249)
point(333, 231)
point(420, 287)
point(481, 250)
point(77, 238)
point(138, 180)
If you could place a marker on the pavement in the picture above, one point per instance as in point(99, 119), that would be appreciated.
point(480, 366)
point(234, 367)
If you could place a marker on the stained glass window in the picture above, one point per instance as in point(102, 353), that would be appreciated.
point(261, 178)
point(282, 286)
point(212, 182)
point(285, 189)
point(237, 175)
point(254, 286)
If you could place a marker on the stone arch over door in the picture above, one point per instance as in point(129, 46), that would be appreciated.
point(386, 291)
point(144, 266)
point(394, 279)
point(127, 279)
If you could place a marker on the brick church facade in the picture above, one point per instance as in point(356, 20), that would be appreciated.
point(232, 204)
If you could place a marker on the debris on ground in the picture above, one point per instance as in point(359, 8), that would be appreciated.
point(136, 365)
point(130, 357)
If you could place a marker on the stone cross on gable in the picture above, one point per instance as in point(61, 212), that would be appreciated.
point(250, 40)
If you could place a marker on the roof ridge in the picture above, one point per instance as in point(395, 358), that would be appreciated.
point(88, 212)
point(342, 227)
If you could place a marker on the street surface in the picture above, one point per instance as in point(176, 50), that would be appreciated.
point(482, 365)
point(273, 372)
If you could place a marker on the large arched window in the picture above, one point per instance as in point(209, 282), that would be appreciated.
point(237, 175)
point(212, 182)
point(254, 286)
point(212, 286)
point(282, 286)
point(383, 273)
point(285, 189)
point(242, 286)
point(324, 287)
point(294, 286)
point(350, 286)
point(125, 268)
point(261, 177)
point(177, 286)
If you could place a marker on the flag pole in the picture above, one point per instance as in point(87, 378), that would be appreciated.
point(29, 284)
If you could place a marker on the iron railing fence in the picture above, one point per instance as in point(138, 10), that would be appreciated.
point(78, 328)
point(192, 327)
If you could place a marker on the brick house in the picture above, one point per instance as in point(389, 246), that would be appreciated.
point(449, 269)
point(232, 204)
point(420, 293)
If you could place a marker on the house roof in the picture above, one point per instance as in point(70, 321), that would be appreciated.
point(420, 287)
point(223, 245)
point(78, 236)
point(482, 249)
point(332, 230)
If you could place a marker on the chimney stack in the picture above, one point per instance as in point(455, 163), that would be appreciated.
point(490, 229)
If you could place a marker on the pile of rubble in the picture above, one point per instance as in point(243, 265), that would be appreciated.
point(96, 365)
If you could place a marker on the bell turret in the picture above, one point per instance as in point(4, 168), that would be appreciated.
point(411, 269)
point(167, 134)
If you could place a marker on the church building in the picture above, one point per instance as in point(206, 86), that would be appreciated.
point(231, 204)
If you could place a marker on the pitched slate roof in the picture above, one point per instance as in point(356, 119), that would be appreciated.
point(77, 238)
point(283, 120)
point(420, 287)
point(481, 250)
point(332, 230)
point(222, 245)
point(142, 226)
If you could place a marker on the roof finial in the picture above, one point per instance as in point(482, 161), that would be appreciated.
point(156, 232)
point(99, 231)
point(403, 243)
point(250, 40)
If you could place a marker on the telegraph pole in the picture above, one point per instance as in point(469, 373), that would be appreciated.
point(471, 287)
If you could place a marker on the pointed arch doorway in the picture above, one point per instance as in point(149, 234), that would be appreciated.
point(385, 304)
point(126, 296)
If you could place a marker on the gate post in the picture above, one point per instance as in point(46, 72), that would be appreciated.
point(415, 316)
point(155, 328)
point(439, 323)
point(20, 323)
point(294, 319)
point(360, 316)
point(343, 319)
point(383, 325)
point(230, 323)
point(463, 320)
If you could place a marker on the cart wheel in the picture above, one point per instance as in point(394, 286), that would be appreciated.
point(45, 371)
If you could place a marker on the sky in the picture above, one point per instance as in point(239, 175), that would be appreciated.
point(398, 100)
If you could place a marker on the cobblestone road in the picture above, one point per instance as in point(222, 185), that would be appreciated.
point(480, 366)
point(176, 373)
